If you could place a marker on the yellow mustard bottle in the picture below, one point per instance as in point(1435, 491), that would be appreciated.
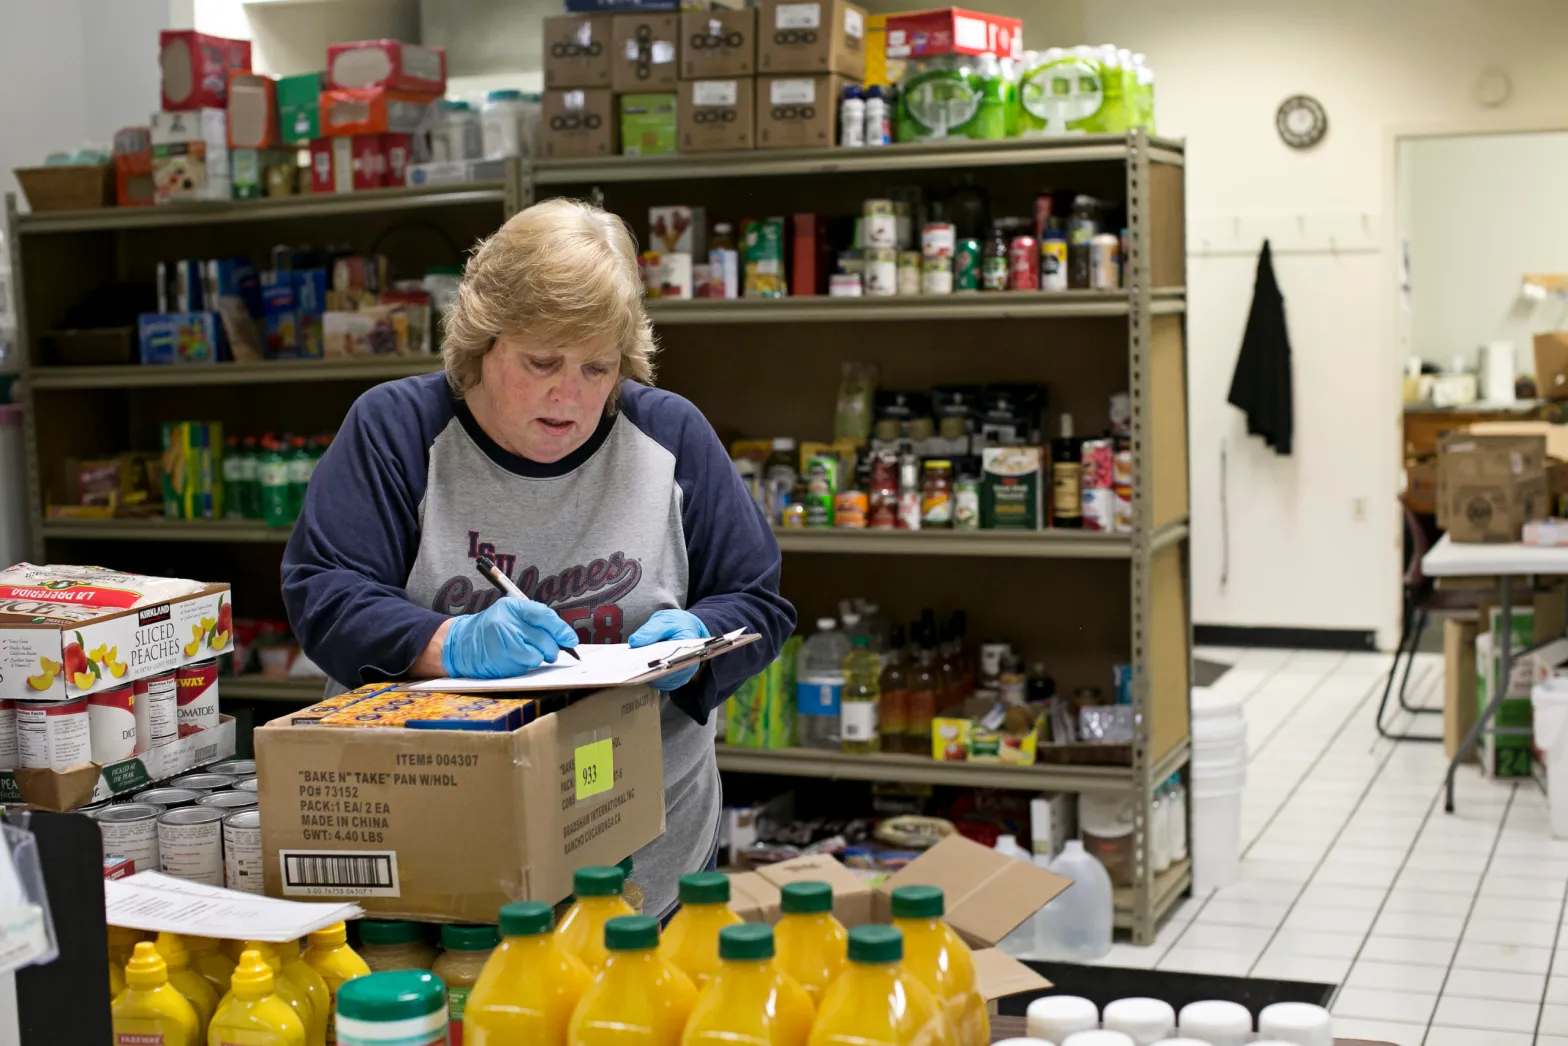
point(940, 960)
point(749, 1000)
point(304, 977)
point(284, 988)
point(328, 954)
point(207, 959)
point(116, 982)
point(598, 900)
point(691, 940)
point(150, 1009)
point(252, 1013)
point(186, 981)
point(529, 987)
point(122, 942)
point(812, 945)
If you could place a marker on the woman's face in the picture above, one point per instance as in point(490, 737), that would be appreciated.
point(543, 402)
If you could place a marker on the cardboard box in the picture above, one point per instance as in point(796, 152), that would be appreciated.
point(145, 641)
point(648, 125)
point(717, 44)
point(1488, 487)
point(577, 51)
point(508, 803)
point(195, 67)
point(821, 36)
point(953, 30)
point(346, 163)
point(678, 228)
point(798, 112)
point(190, 155)
point(1421, 485)
point(880, 69)
point(1459, 710)
point(253, 111)
point(299, 107)
point(386, 63)
point(1551, 365)
point(715, 115)
point(1556, 436)
point(578, 123)
point(642, 52)
point(588, 7)
point(133, 167)
point(811, 255)
point(1509, 756)
point(371, 110)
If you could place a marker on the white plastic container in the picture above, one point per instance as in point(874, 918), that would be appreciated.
point(876, 116)
point(1106, 824)
point(1076, 925)
point(1058, 1017)
point(1023, 941)
point(506, 120)
point(1216, 829)
point(1216, 1022)
point(1099, 1038)
point(458, 135)
point(1145, 1021)
point(852, 118)
point(1296, 1022)
point(1549, 704)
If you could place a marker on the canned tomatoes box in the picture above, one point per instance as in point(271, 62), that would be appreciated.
point(375, 814)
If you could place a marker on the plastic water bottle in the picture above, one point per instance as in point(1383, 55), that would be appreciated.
point(819, 685)
point(852, 118)
point(1076, 925)
point(1024, 940)
point(876, 116)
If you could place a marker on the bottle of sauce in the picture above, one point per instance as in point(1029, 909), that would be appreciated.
point(924, 684)
point(1082, 225)
point(308, 979)
point(386, 945)
point(288, 990)
point(994, 264)
point(150, 1009)
point(936, 495)
point(252, 1012)
point(464, 951)
point(949, 671)
point(208, 960)
point(1066, 479)
point(329, 955)
point(187, 981)
point(779, 476)
point(893, 714)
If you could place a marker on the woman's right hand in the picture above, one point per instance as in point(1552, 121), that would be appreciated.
point(507, 638)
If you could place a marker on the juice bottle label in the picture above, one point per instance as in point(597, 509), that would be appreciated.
point(456, 1004)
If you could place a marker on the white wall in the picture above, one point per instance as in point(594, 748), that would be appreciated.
point(1482, 210)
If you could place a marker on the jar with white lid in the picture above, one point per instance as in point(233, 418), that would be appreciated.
point(395, 1008)
point(510, 121)
point(458, 135)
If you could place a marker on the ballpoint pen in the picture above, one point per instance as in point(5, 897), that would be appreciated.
point(503, 584)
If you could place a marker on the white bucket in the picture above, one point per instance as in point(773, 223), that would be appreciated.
point(1549, 708)
point(1216, 827)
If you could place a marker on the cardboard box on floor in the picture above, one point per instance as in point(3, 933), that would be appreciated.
point(448, 825)
point(988, 895)
point(1489, 487)
point(1459, 709)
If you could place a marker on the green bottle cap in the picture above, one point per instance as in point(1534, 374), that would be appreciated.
point(469, 938)
point(875, 943)
point(918, 902)
point(383, 931)
point(631, 933)
point(705, 888)
point(746, 941)
point(397, 995)
point(598, 881)
point(526, 919)
point(806, 898)
point(626, 867)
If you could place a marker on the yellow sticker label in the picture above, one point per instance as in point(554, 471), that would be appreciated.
point(595, 768)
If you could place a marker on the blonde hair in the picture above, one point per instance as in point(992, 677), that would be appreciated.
point(561, 272)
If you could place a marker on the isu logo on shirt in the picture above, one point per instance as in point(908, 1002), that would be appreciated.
point(587, 596)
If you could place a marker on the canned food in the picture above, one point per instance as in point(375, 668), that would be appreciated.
point(1023, 264)
point(966, 503)
point(156, 711)
point(111, 721)
point(879, 225)
point(966, 266)
point(130, 832)
point(938, 240)
point(1053, 263)
point(881, 272)
point(844, 285)
point(53, 735)
point(1105, 266)
point(7, 735)
point(1121, 511)
point(168, 798)
point(190, 844)
point(197, 702)
point(936, 494)
point(242, 868)
point(908, 273)
point(205, 782)
point(850, 508)
point(794, 516)
point(936, 276)
point(230, 800)
point(240, 768)
point(251, 784)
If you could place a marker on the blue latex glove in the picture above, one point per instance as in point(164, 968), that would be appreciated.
point(507, 638)
point(670, 624)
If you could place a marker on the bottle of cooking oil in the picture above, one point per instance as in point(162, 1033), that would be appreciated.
point(861, 698)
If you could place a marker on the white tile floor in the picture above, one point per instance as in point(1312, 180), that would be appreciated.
point(1442, 930)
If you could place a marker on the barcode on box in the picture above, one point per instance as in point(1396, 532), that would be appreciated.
point(339, 873)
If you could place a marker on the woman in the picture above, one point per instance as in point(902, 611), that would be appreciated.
point(610, 503)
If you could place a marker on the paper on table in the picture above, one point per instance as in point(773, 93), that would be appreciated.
point(602, 664)
point(153, 901)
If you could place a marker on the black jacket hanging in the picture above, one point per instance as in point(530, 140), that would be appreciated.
point(1261, 386)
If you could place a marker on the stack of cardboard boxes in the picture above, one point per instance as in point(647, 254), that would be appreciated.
point(647, 83)
point(377, 95)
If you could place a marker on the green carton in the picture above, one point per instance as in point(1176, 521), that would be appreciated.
point(1509, 755)
point(299, 107)
point(648, 124)
point(762, 712)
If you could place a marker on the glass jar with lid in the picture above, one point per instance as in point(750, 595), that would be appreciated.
point(388, 945)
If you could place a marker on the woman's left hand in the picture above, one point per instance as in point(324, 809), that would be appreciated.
point(670, 624)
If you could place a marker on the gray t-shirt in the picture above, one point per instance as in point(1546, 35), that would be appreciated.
point(648, 514)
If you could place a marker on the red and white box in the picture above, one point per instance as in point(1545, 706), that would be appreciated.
point(347, 163)
point(387, 63)
point(253, 111)
point(953, 30)
point(196, 67)
point(397, 152)
point(372, 110)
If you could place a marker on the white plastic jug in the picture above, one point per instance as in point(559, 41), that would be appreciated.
point(1025, 939)
point(1549, 709)
point(1076, 925)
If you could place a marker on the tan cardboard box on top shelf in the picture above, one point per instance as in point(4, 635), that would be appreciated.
point(988, 895)
point(798, 112)
point(717, 44)
point(642, 51)
point(578, 122)
point(577, 51)
point(715, 115)
point(448, 825)
point(819, 36)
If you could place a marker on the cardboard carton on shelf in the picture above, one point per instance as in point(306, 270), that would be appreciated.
point(1488, 487)
point(253, 111)
point(578, 123)
point(577, 51)
point(299, 108)
point(194, 68)
point(642, 52)
point(512, 804)
point(716, 115)
point(717, 44)
point(387, 63)
point(372, 110)
point(821, 36)
point(798, 112)
point(952, 30)
point(648, 123)
point(190, 155)
point(1551, 365)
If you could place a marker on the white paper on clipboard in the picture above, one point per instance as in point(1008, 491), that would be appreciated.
point(152, 901)
point(602, 665)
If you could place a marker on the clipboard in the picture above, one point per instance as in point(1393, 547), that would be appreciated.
point(602, 665)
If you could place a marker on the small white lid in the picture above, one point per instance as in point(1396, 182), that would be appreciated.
point(1021, 1042)
point(1292, 1017)
point(1208, 704)
point(1213, 1018)
point(1146, 1020)
point(1098, 1038)
point(1056, 1017)
point(826, 624)
point(1186, 1042)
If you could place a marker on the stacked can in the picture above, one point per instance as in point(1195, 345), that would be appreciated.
point(157, 704)
point(111, 719)
point(7, 735)
point(53, 735)
point(196, 702)
point(938, 241)
point(1107, 487)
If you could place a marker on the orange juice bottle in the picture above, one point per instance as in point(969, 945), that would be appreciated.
point(598, 893)
point(314, 987)
point(529, 987)
point(640, 999)
point(196, 989)
point(284, 988)
point(749, 1000)
point(811, 943)
point(329, 955)
point(941, 961)
point(691, 940)
point(207, 959)
point(252, 1012)
point(876, 1002)
point(150, 1009)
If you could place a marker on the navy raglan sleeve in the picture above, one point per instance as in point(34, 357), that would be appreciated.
point(732, 558)
point(346, 564)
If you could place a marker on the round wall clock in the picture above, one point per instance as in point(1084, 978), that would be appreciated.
point(1301, 121)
